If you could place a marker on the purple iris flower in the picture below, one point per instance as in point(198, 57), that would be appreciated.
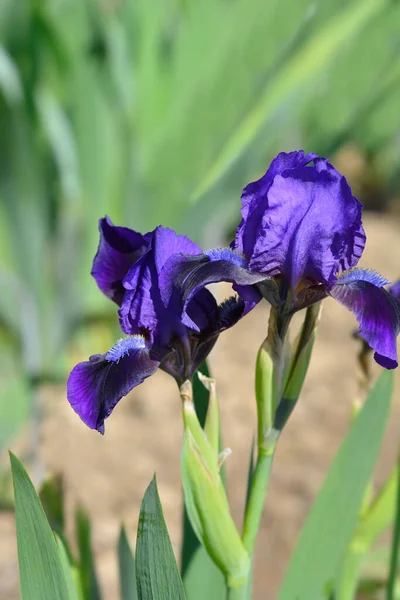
point(130, 268)
point(301, 233)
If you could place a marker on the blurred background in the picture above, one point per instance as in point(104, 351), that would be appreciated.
point(161, 112)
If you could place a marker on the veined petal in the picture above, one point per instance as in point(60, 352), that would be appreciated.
point(190, 274)
point(252, 209)
point(142, 307)
point(97, 385)
point(377, 311)
point(301, 221)
point(118, 250)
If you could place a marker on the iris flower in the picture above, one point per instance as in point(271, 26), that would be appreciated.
point(301, 232)
point(129, 269)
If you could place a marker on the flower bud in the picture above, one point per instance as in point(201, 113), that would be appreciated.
point(208, 510)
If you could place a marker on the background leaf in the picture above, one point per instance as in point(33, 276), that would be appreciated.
point(334, 515)
point(126, 566)
point(87, 567)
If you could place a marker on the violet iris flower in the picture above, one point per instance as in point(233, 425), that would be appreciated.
point(301, 230)
point(127, 268)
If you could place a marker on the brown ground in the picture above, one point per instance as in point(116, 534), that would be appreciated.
point(109, 474)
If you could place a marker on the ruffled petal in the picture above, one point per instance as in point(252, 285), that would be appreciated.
point(377, 311)
point(142, 308)
point(301, 221)
point(118, 250)
point(185, 276)
point(252, 208)
point(97, 385)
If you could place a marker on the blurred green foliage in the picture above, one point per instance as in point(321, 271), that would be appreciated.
point(161, 112)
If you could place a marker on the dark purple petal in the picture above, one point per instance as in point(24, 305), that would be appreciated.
point(190, 274)
point(118, 250)
point(252, 208)
point(142, 307)
point(377, 311)
point(97, 385)
point(301, 221)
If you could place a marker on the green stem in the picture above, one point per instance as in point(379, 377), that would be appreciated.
point(394, 559)
point(237, 593)
point(256, 500)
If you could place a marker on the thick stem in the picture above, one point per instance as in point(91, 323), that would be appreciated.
point(256, 500)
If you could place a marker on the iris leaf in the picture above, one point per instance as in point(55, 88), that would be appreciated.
point(126, 565)
point(42, 574)
point(156, 571)
point(334, 515)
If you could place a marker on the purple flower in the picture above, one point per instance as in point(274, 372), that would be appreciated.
point(300, 239)
point(130, 268)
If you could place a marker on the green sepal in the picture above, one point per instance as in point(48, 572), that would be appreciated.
point(208, 511)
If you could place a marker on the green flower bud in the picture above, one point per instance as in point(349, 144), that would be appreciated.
point(209, 514)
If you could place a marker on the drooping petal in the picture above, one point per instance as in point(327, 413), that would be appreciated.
point(302, 221)
point(142, 307)
point(377, 311)
point(118, 250)
point(97, 385)
point(190, 274)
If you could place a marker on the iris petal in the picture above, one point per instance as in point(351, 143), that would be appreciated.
point(190, 274)
point(142, 307)
point(301, 221)
point(97, 385)
point(377, 311)
point(118, 249)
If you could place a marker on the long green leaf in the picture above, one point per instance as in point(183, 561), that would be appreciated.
point(334, 515)
point(41, 570)
point(87, 567)
point(156, 570)
point(68, 569)
point(126, 564)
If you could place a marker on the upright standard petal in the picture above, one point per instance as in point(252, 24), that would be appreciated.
point(377, 311)
point(143, 308)
point(301, 221)
point(255, 198)
point(118, 250)
point(97, 385)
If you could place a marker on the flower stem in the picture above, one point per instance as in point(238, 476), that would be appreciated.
point(237, 593)
point(256, 500)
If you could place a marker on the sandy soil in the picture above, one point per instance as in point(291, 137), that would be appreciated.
point(109, 474)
